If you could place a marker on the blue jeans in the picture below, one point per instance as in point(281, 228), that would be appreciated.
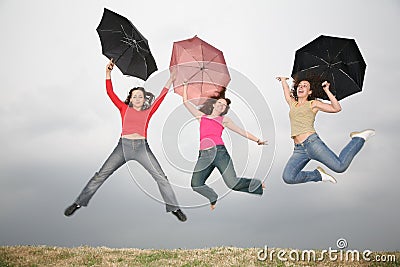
point(125, 151)
point(218, 156)
point(314, 148)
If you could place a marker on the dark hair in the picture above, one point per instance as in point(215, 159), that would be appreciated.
point(315, 87)
point(315, 79)
point(207, 107)
point(148, 98)
point(221, 94)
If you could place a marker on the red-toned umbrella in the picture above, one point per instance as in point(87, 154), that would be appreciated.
point(202, 66)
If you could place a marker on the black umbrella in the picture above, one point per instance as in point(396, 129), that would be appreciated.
point(121, 41)
point(337, 60)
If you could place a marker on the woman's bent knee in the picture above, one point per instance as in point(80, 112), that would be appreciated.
point(288, 179)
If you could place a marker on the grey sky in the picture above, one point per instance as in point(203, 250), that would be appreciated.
point(58, 127)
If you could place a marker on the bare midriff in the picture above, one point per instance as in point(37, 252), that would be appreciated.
point(298, 139)
point(133, 136)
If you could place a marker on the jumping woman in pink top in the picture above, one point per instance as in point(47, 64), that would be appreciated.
point(136, 112)
point(213, 152)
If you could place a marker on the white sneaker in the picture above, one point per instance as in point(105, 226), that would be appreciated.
point(326, 177)
point(366, 134)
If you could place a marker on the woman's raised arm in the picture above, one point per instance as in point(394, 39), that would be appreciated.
point(192, 109)
point(332, 107)
point(286, 89)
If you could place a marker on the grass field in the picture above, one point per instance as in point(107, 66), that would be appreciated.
point(220, 256)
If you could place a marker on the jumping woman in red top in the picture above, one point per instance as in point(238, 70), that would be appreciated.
point(136, 113)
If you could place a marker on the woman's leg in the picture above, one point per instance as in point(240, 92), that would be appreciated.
point(146, 158)
point(319, 151)
point(225, 166)
point(114, 161)
point(202, 170)
point(293, 174)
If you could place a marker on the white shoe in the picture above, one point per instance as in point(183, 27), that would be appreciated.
point(326, 177)
point(366, 134)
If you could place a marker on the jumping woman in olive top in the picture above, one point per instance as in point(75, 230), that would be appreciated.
point(307, 144)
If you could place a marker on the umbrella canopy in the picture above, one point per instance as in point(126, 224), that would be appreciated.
point(337, 60)
point(202, 66)
point(121, 41)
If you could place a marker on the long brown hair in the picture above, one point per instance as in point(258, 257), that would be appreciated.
point(208, 107)
point(148, 98)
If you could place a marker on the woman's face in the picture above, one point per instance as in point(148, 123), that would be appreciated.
point(137, 99)
point(303, 89)
point(220, 105)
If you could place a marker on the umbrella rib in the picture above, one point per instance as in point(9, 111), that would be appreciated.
point(109, 30)
point(196, 61)
point(336, 63)
point(130, 44)
point(190, 54)
point(144, 49)
point(323, 60)
point(130, 41)
point(194, 75)
point(201, 64)
point(202, 56)
point(322, 74)
point(202, 81)
point(351, 79)
point(346, 44)
point(212, 81)
point(200, 70)
point(122, 54)
point(354, 62)
point(138, 41)
point(216, 55)
point(310, 68)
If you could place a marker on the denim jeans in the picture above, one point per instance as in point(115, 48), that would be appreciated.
point(125, 151)
point(218, 156)
point(314, 148)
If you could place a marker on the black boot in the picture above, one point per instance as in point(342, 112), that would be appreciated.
point(71, 209)
point(180, 215)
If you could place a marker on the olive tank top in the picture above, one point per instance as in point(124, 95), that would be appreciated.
point(301, 118)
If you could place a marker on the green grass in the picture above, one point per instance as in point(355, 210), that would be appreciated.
point(32, 256)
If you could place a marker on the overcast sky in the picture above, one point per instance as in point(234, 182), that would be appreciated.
point(58, 127)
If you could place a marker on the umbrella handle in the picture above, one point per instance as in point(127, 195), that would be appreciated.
point(121, 55)
point(110, 65)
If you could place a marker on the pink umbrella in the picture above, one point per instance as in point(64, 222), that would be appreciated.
point(202, 66)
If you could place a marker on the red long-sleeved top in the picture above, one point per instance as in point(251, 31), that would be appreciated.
point(134, 121)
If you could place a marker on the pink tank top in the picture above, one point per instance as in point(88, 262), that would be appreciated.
point(211, 132)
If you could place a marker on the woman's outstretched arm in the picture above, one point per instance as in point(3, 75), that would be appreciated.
point(232, 126)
